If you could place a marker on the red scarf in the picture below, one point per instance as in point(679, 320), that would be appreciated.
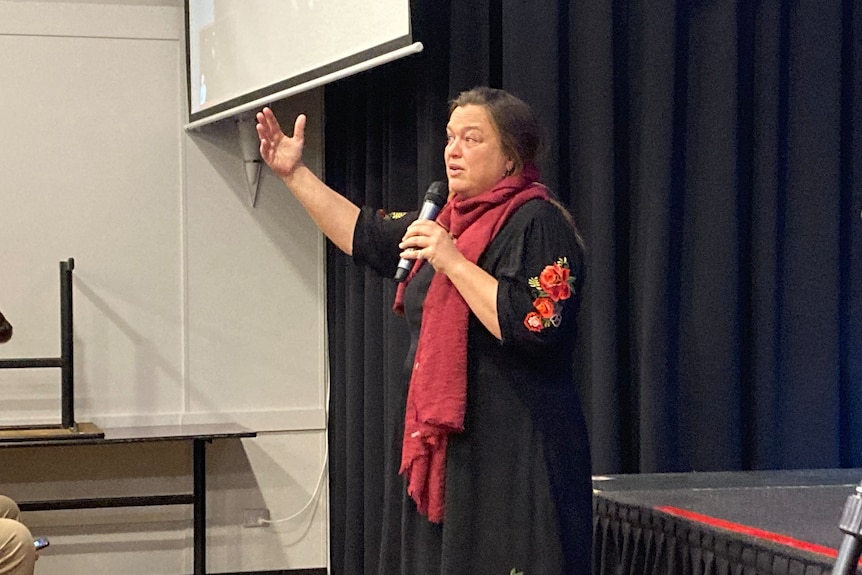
point(436, 399)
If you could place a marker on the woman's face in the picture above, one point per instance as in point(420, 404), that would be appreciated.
point(474, 155)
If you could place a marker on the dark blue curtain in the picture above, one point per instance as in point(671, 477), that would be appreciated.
point(710, 152)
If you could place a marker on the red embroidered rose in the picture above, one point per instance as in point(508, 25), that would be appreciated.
point(545, 306)
point(554, 281)
point(550, 288)
point(533, 321)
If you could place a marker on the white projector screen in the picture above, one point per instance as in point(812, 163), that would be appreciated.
point(243, 52)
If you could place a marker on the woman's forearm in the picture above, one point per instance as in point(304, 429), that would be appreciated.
point(333, 214)
point(479, 290)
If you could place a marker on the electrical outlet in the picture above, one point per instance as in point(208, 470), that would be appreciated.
point(254, 517)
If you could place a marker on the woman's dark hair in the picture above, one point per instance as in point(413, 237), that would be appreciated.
point(520, 134)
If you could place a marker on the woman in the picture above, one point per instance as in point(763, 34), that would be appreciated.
point(495, 454)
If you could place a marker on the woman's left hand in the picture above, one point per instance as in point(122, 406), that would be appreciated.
point(428, 240)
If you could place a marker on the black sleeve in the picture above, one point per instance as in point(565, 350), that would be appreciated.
point(376, 238)
point(540, 286)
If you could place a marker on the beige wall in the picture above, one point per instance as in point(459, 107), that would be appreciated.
point(190, 304)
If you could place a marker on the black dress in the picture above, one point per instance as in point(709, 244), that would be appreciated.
point(518, 488)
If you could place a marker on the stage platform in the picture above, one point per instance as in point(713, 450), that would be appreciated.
point(747, 523)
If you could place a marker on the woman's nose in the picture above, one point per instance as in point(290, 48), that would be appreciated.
point(453, 148)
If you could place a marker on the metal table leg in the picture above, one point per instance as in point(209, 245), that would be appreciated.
point(199, 506)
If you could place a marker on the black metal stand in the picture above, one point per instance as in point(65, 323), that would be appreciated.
point(851, 524)
point(67, 350)
point(199, 506)
point(66, 360)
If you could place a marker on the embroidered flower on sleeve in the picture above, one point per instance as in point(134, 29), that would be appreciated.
point(551, 286)
point(533, 321)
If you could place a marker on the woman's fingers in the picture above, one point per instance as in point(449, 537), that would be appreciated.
point(423, 239)
point(266, 122)
point(299, 129)
point(417, 234)
point(270, 130)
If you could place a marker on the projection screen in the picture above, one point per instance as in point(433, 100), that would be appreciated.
point(242, 54)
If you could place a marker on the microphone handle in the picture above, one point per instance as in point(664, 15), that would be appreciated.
point(429, 211)
point(401, 273)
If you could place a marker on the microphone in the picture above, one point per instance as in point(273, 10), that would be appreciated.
point(435, 198)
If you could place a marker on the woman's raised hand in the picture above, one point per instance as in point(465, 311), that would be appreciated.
point(281, 153)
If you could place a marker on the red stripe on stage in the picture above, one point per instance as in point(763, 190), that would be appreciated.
point(745, 529)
